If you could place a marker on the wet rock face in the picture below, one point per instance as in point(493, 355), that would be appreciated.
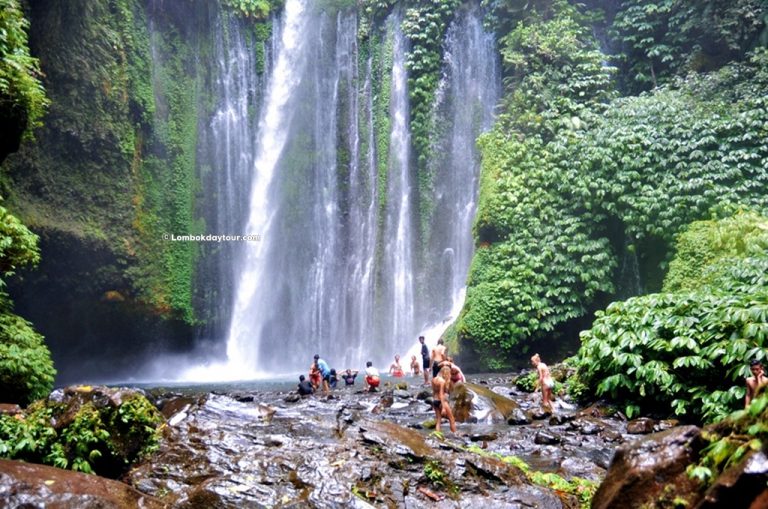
point(475, 403)
point(641, 471)
point(31, 485)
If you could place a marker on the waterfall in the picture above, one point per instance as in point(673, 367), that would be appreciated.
point(399, 228)
point(251, 295)
point(338, 270)
point(468, 92)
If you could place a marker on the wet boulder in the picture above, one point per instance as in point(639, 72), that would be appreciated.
point(476, 403)
point(743, 485)
point(546, 437)
point(642, 470)
point(30, 485)
point(640, 426)
point(518, 418)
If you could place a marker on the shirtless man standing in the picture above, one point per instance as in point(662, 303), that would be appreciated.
point(441, 387)
point(756, 382)
point(438, 356)
point(545, 380)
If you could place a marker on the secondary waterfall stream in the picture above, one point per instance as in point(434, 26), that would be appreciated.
point(342, 268)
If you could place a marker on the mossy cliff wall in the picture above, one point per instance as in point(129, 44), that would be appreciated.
point(113, 170)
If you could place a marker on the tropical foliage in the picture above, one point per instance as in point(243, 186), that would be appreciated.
point(565, 200)
point(26, 369)
point(687, 351)
point(22, 95)
point(104, 439)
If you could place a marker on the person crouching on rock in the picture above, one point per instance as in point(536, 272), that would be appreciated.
point(305, 387)
point(441, 387)
point(372, 377)
point(756, 383)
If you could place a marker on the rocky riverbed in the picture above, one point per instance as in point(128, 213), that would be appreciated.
point(354, 449)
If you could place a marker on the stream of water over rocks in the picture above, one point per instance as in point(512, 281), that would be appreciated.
point(355, 449)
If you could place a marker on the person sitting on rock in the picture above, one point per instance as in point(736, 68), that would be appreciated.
point(305, 387)
point(395, 369)
point(372, 377)
point(415, 368)
point(349, 377)
point(545, 380)
point(756, 383)
point(441, 387)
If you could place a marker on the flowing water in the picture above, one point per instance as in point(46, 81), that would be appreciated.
point(321, 146)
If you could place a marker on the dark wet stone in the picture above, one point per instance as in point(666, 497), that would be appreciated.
point(518, 417)
point(558, 419)
point(640, 426)
point(483, 437)
point(590, 428)
point(641, 470)
point(581, 467)
point(292, 398)
point(402, 394)
point(539, 414)
point(743, 485)
point(422, 395)
point(600, 457)
point(30, 485)
point(666, 424)
point(545, 437)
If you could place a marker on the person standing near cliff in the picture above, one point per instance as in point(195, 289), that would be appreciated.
point(424, 360)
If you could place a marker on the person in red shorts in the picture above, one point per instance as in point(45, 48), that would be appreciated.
point(372, 377)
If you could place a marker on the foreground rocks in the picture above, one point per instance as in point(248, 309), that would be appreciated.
point(29, 485)
point(265, 449)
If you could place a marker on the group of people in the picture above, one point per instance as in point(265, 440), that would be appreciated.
point(445, 375)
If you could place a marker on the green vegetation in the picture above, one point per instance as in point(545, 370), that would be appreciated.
point(26, 369)
point(733, 440)
point(583, 489)
point(687, 350)
point(257, 9)
point(105, 439)
point(22, 96)
point(575, 180)
point(664, 38)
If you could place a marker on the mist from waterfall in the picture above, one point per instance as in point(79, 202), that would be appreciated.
point(341, 268)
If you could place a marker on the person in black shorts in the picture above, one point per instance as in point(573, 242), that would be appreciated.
point(305, 388)
point(424, 360)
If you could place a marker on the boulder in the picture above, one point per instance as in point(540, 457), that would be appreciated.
point(475, 403)
point(31, 485)
point(545, 437)
point(518, 418)
point(743, 485)
point(641, 470)
point(640, 426)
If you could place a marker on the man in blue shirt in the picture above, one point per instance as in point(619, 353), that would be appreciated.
point(325, 372)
